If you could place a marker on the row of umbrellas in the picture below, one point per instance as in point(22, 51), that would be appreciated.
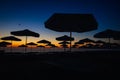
point(70, 23)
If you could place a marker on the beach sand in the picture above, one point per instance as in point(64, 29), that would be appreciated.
point(31, 66)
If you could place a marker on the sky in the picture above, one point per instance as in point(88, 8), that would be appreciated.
point(31, 14)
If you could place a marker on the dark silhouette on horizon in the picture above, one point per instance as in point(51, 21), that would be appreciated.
point(11, 38)
point(26, 33)
point(63, 22)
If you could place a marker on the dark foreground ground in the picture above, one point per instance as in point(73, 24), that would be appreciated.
point(31, 66)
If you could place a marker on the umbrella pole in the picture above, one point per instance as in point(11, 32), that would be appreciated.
point(26, 44)
point(109, 43)
point(11, 46)
point(70, 41)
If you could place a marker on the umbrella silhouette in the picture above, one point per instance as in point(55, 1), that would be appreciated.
point(26, 33)
point(99, 43)
point(79, 42)
point(65, 38)
point(64, 44)
point(117, 37)
point(4, 44)
point(71, 23)
point(51, 45)
point(44, 41)
point(11, 38)
point(75, 46)
point(31, 44)
point(23, 46)
point(41, 46)
point(86, 40)
point(107, 34)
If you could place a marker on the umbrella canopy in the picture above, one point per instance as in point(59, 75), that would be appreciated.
point(64, 42)
point(117, 37)
point(26, 33)
point(31, 44)
point(79, 42)
point(107, 34)
point(99, 41)
point(22, 45)
point(65, 38)
point(86, 40)
point(40, 46)
point(11, 38)
point(51, 45)
point(44, 41)
point(71, 22)
point(4, 44)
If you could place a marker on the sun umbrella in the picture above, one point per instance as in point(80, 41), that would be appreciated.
point(26, 33)
point(117, 37)
point(106, 34)
point(86, 40)
point(71, 23)
point(64, 44)
point(41, 46)
point(23, 46)
point(65, 38)
point(11, 38)
point(44, 41)
point(31, 44)
point(79, 42)
point(4, 44)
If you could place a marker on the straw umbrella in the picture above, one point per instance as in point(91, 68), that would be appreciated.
point(10, 38)
point(107, 34)
point(41, 46)
point(44, 42)
point(31, 44)
point(51, 45)
point(26, 33)
point(64, 43)
point(22, 46)
point(65, 38)
point(71, 23)
point(4, 44)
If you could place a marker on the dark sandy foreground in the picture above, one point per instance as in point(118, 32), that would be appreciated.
point(31, 66)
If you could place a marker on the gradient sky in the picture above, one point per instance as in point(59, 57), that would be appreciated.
point(31, 14)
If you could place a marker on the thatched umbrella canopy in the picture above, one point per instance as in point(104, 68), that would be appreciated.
point(4, 44)
point(65, 38)
point(71, 23)
point(26, 33)
point(31, 44)
point(10, 38)
point(107, 34)
point(64, 44)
